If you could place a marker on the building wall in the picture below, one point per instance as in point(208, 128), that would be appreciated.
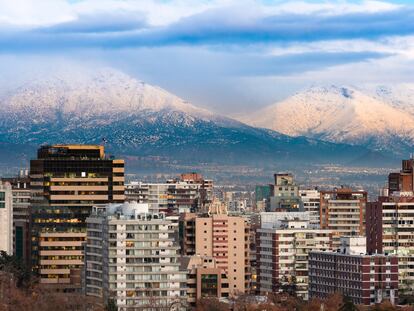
point(134, 259)
point(343, 211)
point(226, 238)
point(364, 279)
point(66, 181)
point(282, 258)
point(393, 226)
point(6, 218)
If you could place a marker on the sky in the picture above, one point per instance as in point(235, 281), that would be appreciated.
point(231, 56)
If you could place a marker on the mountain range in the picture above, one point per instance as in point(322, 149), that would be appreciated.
point(137, 119)
point(380, 118)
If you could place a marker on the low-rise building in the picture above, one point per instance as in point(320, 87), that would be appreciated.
point(365, 279)
point(205, 279)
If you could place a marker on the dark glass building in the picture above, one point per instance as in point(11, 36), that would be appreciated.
point(66, 181)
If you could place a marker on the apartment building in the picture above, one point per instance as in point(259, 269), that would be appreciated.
point(66, 182)
point(285, 194)
point(402, 181)
point(311, 201)
point(6, 218)
point(21, 215)
point(390, 230)
point(132, 257)
point(365, 279)
point(343, 211)
point(156, 195)
point(283, 243)
point(204, 279)
point(188, 193)
point(223, 237)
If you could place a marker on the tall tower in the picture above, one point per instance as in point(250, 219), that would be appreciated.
point(66, 181)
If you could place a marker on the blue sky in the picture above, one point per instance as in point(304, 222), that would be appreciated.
point(227, 55)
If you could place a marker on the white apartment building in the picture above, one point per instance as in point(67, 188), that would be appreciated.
point(178, 197)
point(6, 218)
point(132, 257)
point(311, 202)
point(282, 252)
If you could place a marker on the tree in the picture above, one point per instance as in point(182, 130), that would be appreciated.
point(348, 305)
point(111, 305)
point(211, 304)
point(17, 268)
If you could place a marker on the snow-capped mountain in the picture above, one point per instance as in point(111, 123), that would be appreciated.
point(139, 119)
point(380, 118)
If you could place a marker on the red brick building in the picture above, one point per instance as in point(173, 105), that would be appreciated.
point(365, 279)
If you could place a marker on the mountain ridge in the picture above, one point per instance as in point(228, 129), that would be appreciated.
point(342, 114)
point(136, 118)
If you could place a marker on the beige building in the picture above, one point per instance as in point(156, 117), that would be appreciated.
point(226, 238)
point(6, 218)
point(343, 211)
point(204, 279)
point(223, 237)
point(66, 181)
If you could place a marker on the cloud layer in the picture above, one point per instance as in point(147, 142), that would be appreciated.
point(199, 48)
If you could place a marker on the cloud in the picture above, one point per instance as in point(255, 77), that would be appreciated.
point(224, 54)
point(100, 23)
point(231, 25)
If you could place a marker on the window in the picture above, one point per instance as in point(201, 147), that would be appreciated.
point(209, 285)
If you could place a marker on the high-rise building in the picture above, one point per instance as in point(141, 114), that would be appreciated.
point(6, 218)
point(66, 181)
point(223, 237)
point(285, 194)
point(365, 279)
point(189, 193)
point(206, 187)
point(205, 279)
point(311, 201)
point(283, 242)
point(404, 180)
point(132, 257)
point(21, 215)
point(343, 211)
point(390, 230)
point(262, 195)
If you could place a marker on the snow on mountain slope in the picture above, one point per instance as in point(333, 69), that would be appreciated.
point(91, 95)
point(80, 106)
point(399, 96)
point(340, 114)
